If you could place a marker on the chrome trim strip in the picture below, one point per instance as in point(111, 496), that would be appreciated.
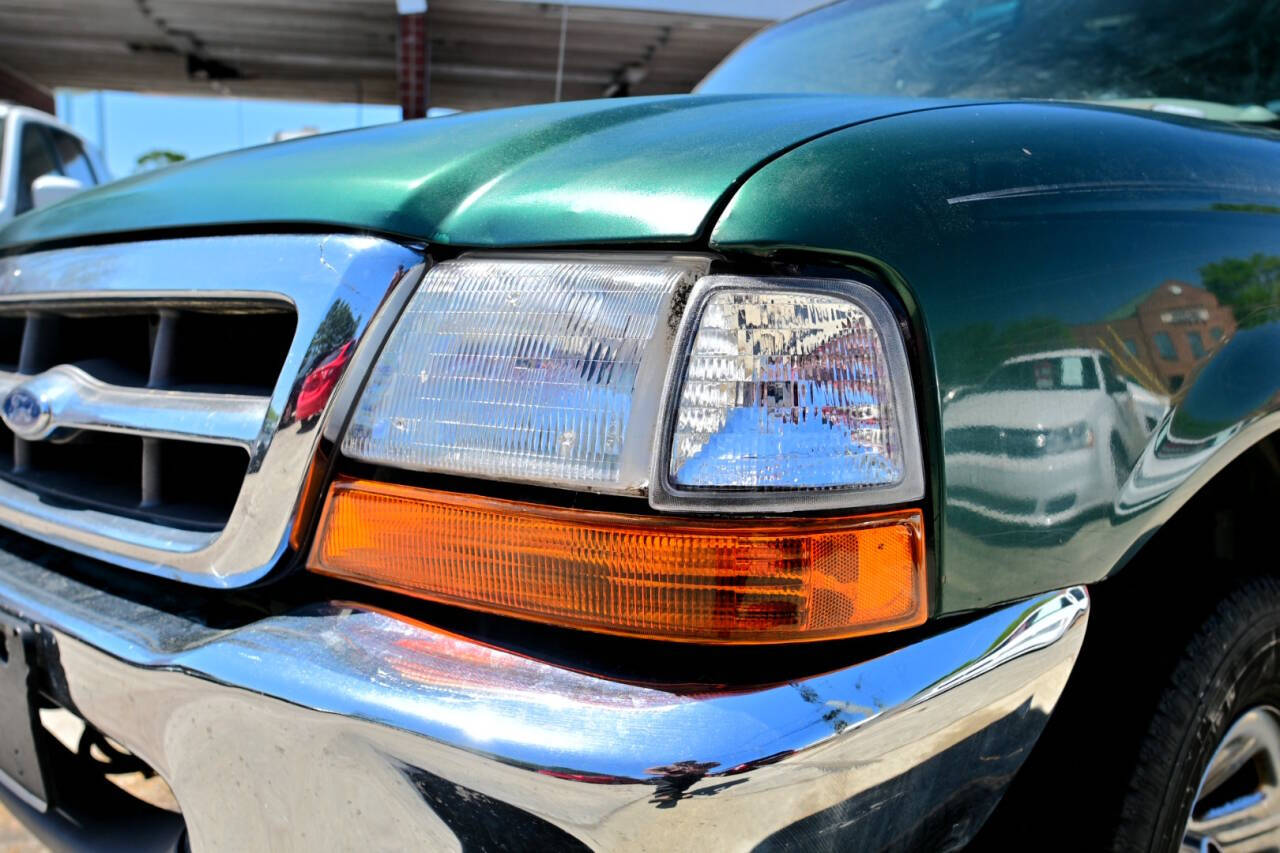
point(76, 400)
point(336, 284)
point(353, 724)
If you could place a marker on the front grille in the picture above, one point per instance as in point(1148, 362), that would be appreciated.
point(232, 350)
point(997, 441)
point(235, 348)
point(153, 391)
point(981, 498)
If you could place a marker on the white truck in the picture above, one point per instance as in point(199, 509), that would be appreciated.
point(42, 161)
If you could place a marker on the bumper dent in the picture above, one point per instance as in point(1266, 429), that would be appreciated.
point(345, 727)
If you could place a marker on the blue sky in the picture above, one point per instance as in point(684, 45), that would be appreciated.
point(126, 125)
point(133, 124)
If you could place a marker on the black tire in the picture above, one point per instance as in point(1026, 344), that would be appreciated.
point(1160, 681)
point(1230, 666)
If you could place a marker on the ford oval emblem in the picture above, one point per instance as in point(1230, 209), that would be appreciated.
point(25, 413)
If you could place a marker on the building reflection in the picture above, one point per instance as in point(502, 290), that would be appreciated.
point(1159, 338)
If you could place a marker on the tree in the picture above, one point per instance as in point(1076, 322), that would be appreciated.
point(337, 327)
point(1249, 285)
point(158, 158)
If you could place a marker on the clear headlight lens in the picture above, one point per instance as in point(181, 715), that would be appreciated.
point(789, 387)
point(785, 390)
point(522, 369)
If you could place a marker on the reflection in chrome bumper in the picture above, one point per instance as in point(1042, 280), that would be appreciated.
point(342, 727)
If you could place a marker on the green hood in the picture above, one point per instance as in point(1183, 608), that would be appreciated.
point(637, 170)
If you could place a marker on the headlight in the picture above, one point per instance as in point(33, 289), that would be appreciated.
point(640, 375)
point(780, 394)
point(1077, 436)
point(525, 369)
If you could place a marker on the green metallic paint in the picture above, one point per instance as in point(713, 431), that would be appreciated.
point(1008, 230)
point(638, 170)
point(1020, 230)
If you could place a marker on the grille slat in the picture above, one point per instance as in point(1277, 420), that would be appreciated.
point(162, 342)
point(35, 334)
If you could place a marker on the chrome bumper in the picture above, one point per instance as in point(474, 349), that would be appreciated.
point(336, 727)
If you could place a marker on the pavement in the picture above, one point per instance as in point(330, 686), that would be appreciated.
point(15, 839)
point(67, 728)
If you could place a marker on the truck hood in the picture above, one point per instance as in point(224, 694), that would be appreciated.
point(636, 170)
point(1023, 409)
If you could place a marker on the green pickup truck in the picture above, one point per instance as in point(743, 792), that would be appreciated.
point(875, 449)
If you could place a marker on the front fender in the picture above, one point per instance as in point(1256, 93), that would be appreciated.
point(1147, 244)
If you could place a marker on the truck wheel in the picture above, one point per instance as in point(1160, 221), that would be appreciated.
point(1208, 767)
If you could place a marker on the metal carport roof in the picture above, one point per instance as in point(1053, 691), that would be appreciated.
point(484, 53)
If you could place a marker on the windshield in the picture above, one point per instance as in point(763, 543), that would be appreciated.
point(1217, 59)
point(1064, 373)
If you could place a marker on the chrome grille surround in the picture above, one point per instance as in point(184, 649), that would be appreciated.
point(315, 274)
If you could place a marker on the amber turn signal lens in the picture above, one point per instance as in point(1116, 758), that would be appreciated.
point(759, 581)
